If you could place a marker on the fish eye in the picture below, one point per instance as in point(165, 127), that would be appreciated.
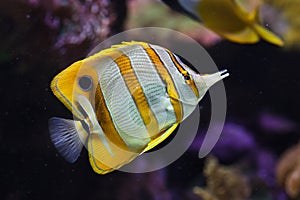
point(85, 83)
point(187, 77)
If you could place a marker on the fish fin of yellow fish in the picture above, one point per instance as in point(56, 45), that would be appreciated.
point(268, 35)
point(245, 36)
point(124, 43)
point(63, 84)
point(161, 138)
point(234, 22)
point(248, 5)
point(112, 49)
point(227, 19)
point(102, 161)
point(264, 33)
point(67, 136)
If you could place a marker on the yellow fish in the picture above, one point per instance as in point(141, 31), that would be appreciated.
point(235, 20)
point(125, 100)
point(283, 17)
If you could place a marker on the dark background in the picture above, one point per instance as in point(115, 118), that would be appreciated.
point(263, 78)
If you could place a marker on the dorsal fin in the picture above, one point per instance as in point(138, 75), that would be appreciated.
point(113, 48)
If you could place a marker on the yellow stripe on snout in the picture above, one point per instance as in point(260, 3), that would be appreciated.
point(137, 93)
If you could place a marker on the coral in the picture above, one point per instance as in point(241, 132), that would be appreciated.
point(288, 171)
point(223, 183)
point(254, 151)
point(78, 20)
point(227, 149)
point(275, 123)
point(57, 27)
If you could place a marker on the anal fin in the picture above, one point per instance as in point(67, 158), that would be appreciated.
point(161, 138)
point(102, 161)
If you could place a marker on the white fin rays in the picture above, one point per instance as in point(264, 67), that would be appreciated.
point(65, 137)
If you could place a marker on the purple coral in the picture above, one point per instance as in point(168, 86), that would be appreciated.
point(275, 123)
point(235, 141)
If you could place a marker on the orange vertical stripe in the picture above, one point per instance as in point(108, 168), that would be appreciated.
point(105, 120)
point(166, 77)
point(137, 94)
point(101, 160)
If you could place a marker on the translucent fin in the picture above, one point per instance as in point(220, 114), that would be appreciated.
point(161, 138)
point(102, 161)
point(65, 138)
point(211, 79)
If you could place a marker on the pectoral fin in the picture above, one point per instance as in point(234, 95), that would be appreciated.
point(67, 136)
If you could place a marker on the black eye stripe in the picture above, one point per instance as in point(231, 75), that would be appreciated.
point(85, 83)
point(185, 74)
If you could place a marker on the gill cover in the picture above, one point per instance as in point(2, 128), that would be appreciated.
point(78, 79)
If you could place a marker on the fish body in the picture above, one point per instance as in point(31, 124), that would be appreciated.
point(235, 20)
point(126, 100)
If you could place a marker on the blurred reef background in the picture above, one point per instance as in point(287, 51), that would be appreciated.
point(257, 156)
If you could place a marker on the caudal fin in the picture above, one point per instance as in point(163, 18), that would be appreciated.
point(65, 138)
